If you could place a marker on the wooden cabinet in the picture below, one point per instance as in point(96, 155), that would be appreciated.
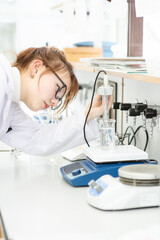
point(74, 54)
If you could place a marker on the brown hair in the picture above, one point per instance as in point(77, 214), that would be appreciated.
point(54, 60)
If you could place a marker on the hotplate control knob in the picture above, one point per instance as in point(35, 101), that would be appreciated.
point(76, 172)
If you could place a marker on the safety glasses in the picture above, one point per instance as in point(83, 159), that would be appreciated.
point(60, 92)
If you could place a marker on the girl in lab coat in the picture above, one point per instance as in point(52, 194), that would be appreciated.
point(41, 77)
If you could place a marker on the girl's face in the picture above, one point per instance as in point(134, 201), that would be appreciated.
point(44, 93)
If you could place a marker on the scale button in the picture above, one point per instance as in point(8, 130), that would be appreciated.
point(76, 172)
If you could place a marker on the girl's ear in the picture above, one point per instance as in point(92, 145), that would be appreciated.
point(35, 67)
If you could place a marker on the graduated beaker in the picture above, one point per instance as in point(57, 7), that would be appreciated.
point(107, 133)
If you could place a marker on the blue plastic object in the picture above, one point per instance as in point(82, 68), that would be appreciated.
point(107, 52)
point(81, 172)
point(84, 44)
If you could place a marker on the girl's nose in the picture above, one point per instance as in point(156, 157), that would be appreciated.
point(54, 102)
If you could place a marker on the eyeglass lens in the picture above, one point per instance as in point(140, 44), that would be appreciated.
point(60, 93)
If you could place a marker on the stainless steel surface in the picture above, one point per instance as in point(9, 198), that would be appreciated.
point(140, 175)
point(140, 171)
point(139, 182)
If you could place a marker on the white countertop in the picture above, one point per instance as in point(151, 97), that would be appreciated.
point(36, 203)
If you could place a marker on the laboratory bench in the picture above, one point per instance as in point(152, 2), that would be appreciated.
point(36, 203)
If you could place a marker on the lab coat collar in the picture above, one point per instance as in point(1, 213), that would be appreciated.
point(17, 84)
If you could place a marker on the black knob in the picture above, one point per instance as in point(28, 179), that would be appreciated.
point(125, 106)
point(133, 112)
point(116, 105)
point(150, 113)
point(141, 107)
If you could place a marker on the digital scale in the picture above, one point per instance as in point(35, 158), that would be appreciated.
point(138, 186)
point(100, 162)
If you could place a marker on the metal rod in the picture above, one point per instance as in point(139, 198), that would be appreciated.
point(122, 111)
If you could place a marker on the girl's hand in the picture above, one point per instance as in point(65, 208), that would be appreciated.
point(98, 107)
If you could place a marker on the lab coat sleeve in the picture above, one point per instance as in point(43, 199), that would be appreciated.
point(36, 139)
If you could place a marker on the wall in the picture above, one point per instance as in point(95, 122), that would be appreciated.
point(36, 22)
point(150, 92)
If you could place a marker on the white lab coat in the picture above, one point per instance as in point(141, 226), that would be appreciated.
point(31, 137)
